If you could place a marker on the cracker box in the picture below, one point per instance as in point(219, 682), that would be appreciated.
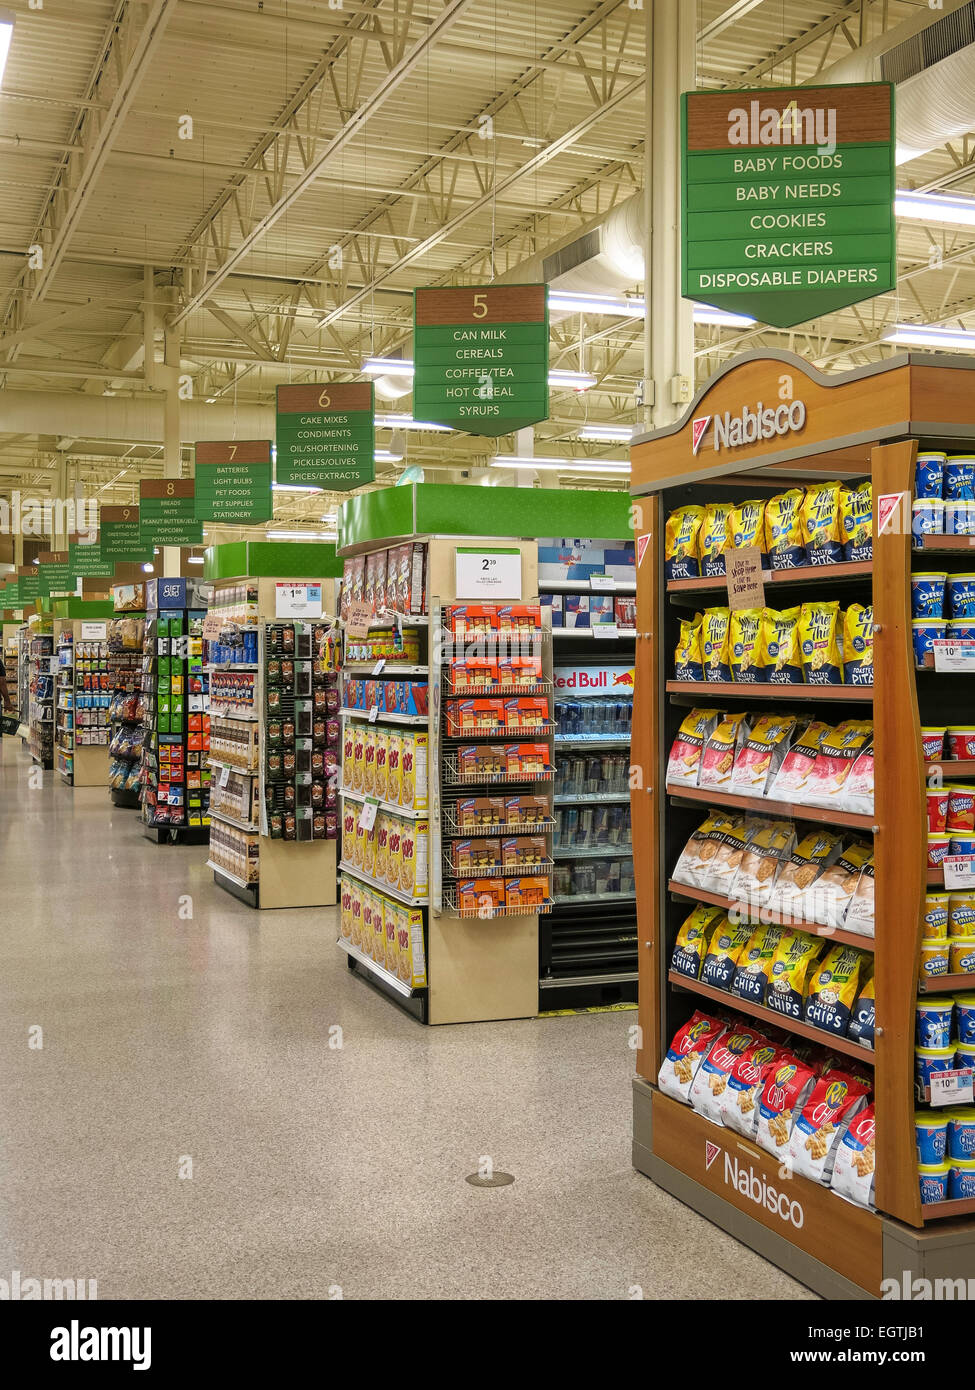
point(520, 620)
point(411, 953)
point(527, 893)
point(481, 760)
point(524, 671)
point(380, 780)
point(355, 895)
point(477, 811)
point(576, 610)
point(394, 766)
point(358, 758)
point(466, 717)
point(474, 673)
point(480, 856)
point(482, 896)
point(526, 810)
point(414, 861)
point(369, 763)
point(394, 854)
point(521, 851)
point(414, 792)
point(526, 760)
point(345, 921)
point(528, 712)
point(471, 621)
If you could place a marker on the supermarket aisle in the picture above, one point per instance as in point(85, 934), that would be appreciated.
point(167, 1037)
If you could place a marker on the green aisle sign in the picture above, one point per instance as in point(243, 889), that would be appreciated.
point(326, 436)
point(233, 481)
point(788, 199)
point(29, 587)
point(167, 512)
point(54, 573)
point(120, 537)
point(9, 594)
point(481, 357)
point(85, 560)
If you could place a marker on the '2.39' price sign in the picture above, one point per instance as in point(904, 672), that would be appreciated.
point(492, 575)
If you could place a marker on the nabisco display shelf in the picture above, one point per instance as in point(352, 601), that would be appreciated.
point(863, 427)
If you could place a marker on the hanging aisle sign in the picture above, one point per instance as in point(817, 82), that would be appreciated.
point(481, 357)
point(120, 536)
point(233, 481)
point(30, 583)
point(85, 559)
point(54, 573)
point(326, 435)
point(788, 199)
point(167, 512)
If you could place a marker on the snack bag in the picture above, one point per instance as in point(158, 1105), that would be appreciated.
point(835, 1099)
point(860, 913)
point(855, 1165)
point(754, 963)
point(821, 526)
point(720, 751)
point(714, 538)
point(856, 509)
point(724, 950)
point(827, 901)
point(791, 782)
point(687, 1051)
point(762, 753)
point(858, 645)
point(747, 658)
point(783, 530)
point(811, 857)
point(722, 865)
point(835, 760)
point(682, 543)
point(820, 649)
point(684, 763)
point(769, 845)
point(781, 647)
point(858, 794)
point(692, 941)
point(794, 956)
point(711, 1080)
point(696, 856)
point(833, 990)
point(716, 644)
point(862, 1023)
point(746, 527)
point(689, 658)
point(786, 1090)
point(739, 1100)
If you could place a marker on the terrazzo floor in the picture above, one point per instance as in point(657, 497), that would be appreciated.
point(171, 1040)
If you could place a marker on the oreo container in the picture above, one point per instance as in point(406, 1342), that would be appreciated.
point(930, 476)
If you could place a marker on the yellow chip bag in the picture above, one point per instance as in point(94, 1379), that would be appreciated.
point(689, 661)
point(781, 648)
point(693, 939)
point(747, 657)
point(833, 990)
point(754, 964)
point(746, 527)
point(856, 507)
point(820, 648)
point(822, 529)
point(783, 531)
point(794, 956)
point(716, 644)
point(724, 950)
point(858, 645)
point(714, 538)
point(682, 555)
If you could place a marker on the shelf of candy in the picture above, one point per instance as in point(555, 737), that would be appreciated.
point(233, 694)
point(231, 624)
point(387, 764)
point(235, 853)
point(944, 500)
point(127, 709)
point(394, 646)
point(234, 744)
point(392, 855)
point(92, 696)
point(497, 815)
point(486, 856)
point(301, 731)
point(391, 581)
point(398, 699)
point(383, 933)
point(176, 746)
point(235, 796)
point(811, 1111)
point(41, 701)
point(489, 763)
point(825, 524)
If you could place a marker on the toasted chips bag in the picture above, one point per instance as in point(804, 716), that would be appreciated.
point(838, 753)
point(688, 1048)
point(820, 648)
point(723, 952)
point(858, 645)
point(833, 990)
point(689, 661)
point(810, 858)
point(834, 1101)
point(747, 661)
point(762, 754)
point(791, 781)
point(682, 544)
point(827, 901)
point(711, 1080)
point(684, 763)
point(721, 866)
point(720, 751)
point(769, 846)
point(714, 538)
point(860, 913)
point(746, 527)
point(856, 507)
point(783, 530)
point(862, 1023)
point(716, 644)
point(794, 956)
point(754, 963)
point(697, 854)
point(821, 524)
point(693, 939)
point(781, 646)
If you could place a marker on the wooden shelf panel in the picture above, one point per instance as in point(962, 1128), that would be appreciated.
point(946, 545)
point(952, 767)
point(763, 1015)
point(773, 808)
point(945, 984)
point(862, 694)
point(944, 1211)
point(807, 574)
point(777, 919)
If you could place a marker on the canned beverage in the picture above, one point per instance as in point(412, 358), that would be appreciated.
point(602, 870)
point(584, 838)
point(601, 824)
point(583, 880)
point(562, 880)
point(557, 832)
point(607, 772)
point(625, 870)
point(570, 826)
point(578, 778)
point(594, 775)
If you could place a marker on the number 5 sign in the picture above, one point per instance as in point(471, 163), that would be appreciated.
point(493, 575)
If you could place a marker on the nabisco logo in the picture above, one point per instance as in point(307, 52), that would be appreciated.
point(751, 426)
point(700, 430)
point(753, 1186)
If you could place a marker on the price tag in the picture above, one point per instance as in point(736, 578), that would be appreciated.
point(368, 817)
point(373, 714)
point(959, 871)
point(955, 656)
point(602, 583)
point(358, 620)
point(953, 1087)
point(94, 632)
point(224, 776)
point(746, 582)
point(377, 670)
point(605, 631)
point(298, 600)
point(488, 574)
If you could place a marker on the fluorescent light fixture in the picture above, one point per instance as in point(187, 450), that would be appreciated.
point(935, 207)
point(148, 569)
point(197, 559)
point(300, 535)
point(295, 487)
point(607, 434)
point(406, 422)
point(565, 301)
point(387, 456)
point(720, 318)
point(6, 37)
point(550, 465)
point(575, 381)
point(387, 366)
point(916, 335)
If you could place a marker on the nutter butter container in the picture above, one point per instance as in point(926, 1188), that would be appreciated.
point(933, 742)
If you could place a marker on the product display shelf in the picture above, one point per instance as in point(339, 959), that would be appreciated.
point(23, 677)
point(84, 694)
point(763, 806)
point(126, 633)
point(853, 428)
point(42, 672)
point(784, 919)
point(700, 692)
point(806, 575)
point(946, 984)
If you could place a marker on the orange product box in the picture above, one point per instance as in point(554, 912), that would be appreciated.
point(526, 810)
point(474, 716)
point(194, 723)
point(194, 741)
point(520, 670)
point(475, 673)
point(520, 851)
point(478, 811)
point(481, 895)
point(527, 892)
point(526, 712)
point(481, 760)
point(520, 619)
point(411, 954)
point(469, 621)
point(478, 856)
point(526, 759)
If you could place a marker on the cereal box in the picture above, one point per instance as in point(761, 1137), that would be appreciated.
point(345, 926)
point(382, 847)
point(394, 773)
point(380, 782)
point(368, 901)
point(476, 858)
point(358, 758)
point(369, 852)
point(477, 811)
point(378, 929)
point(355, 895)
point(348, 747)
point(413, 757)
point(526, 760)
point(526, 810)
point(394, 852)
point(411, 953)
point(369, 763)
point(350, 814)
point(414, 864)
point(520, 851)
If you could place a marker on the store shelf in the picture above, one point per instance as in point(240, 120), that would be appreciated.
point(380, 971)
point(252, 718)
point(232, 666)
point(453, 830)
point(946, 545)
point(945, 984)
point(216, 814)
point(946, 1211)
point(491, 692)
point(393, 669)
point(846, 938)
point(608, 741)
point(773, 808)
point(618, 633)
point(582, 981)
point(953, 767)
point(714, 690)
point(244, 771)
point(490, 914)
point(806, 574)
point(563, 852)
point(758, 1011)
point(234, 878)
point(594, 799)
point(406, 812)
point(393, 620)
point(583, 586)
point(545, 866)
point(383, 888)
point(581, 899)
point(382, 718)
point(453, 778)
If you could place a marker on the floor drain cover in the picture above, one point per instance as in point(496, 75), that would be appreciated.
point(495, 1180)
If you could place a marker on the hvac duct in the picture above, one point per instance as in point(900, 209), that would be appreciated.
point(135, 421)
